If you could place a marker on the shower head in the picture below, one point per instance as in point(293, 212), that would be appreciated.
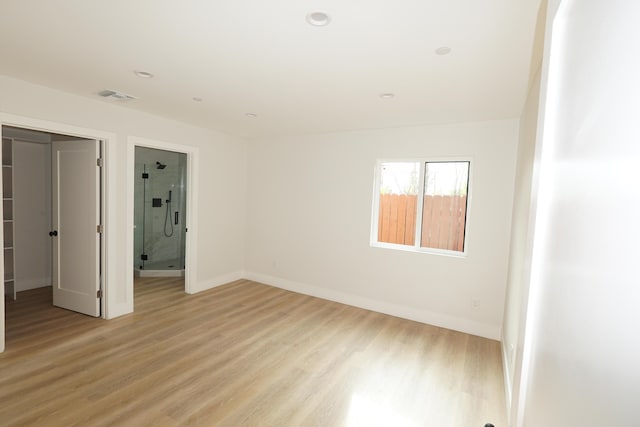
point(160, 165)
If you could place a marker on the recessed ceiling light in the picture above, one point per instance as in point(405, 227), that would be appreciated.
point(197, 99)
point(318, 19)
point(443, 50)
point(143, 74)
point(387, 95)
point(251, 115)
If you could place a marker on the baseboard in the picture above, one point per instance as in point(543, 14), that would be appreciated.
point(423, 316)
point(216, 281)
point(158, 273)
point(26, 285)
point(118, 309)
point(114, 310)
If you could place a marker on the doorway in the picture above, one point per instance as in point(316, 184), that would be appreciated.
point(159, 213)
point(111, 303)
point(167, 164)
point(52, 217)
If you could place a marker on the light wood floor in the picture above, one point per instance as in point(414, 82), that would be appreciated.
point(243, 354)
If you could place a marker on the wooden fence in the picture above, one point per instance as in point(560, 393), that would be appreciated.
point(443, 221)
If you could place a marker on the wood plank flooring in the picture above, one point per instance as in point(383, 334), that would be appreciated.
point(243, 354)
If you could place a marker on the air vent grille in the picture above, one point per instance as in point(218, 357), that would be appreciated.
point(115, 95)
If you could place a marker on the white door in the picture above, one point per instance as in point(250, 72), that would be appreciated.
point(76, 216)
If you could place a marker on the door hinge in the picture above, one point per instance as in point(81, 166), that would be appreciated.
point(99, 162)
point(99, 294)
point(100, 229)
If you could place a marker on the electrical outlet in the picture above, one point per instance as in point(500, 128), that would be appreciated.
point(475, 303)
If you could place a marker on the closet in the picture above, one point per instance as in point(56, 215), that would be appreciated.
point(26, 193)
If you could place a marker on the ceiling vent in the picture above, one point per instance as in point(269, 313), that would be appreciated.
point(116, 95)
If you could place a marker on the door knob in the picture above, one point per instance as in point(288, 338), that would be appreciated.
point(53, 233)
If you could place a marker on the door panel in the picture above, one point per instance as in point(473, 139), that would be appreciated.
point(76, 214)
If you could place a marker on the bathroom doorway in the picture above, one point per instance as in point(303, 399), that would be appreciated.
point(160, 204)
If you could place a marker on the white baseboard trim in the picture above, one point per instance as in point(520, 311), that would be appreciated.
point(159, 273)
point(423, 316)
point(217, 281)
point(26, 285)
point(114, 310)
point(117, 310)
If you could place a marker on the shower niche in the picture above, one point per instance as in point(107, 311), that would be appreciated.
point(159, 213)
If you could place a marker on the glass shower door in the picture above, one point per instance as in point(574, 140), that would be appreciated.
point(160, 209)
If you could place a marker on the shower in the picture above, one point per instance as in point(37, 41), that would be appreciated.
point(159, 209)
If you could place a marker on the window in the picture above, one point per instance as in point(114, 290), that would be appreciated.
point(421, 205)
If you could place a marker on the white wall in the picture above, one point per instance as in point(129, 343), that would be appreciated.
point(519, 249)
point(309, 219)
point(32, 213)
point(221, 203)
point(582, 347)
point(522, 224)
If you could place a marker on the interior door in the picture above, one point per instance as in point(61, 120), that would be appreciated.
point(75, 218)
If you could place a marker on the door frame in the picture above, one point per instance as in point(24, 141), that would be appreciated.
point(107, 198)
point(191, 202)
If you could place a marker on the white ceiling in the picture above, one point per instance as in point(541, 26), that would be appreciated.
point(261, 57)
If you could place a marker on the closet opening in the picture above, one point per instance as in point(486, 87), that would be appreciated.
point(52, 214)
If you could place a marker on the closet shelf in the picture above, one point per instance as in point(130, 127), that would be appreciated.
point(7, 197)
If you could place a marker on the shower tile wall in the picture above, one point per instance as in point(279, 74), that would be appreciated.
point(162, 251)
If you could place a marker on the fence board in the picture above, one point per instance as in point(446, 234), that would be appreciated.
point(462, 218)
point(385, 208)
point(455, 224)
point(434, 223)
point(410, 227)
point(443, 220)
point(402, 219)
point(427, 221)
point(393, 217)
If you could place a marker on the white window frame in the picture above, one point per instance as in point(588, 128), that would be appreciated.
point(416, 246)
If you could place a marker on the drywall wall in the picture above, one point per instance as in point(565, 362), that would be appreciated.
point(518, 273)
point(522, 224)
point(221, 201)
point(32, 214)
point(581, 346)
point(309, 221)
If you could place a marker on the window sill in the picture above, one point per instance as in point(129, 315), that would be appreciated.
point(432, 251)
